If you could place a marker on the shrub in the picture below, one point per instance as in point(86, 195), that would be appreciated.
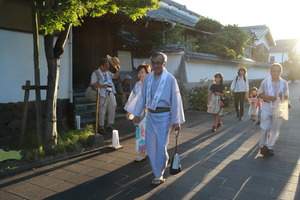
point(73, 140)
point(198, 98)
point(68, 141)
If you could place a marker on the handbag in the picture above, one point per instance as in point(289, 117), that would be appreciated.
point(175, 167)
point(91, 92)
point(224, 102)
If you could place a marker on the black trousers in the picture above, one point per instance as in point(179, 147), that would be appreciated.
point(239, 98)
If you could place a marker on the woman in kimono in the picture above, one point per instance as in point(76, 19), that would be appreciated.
point(140, 145)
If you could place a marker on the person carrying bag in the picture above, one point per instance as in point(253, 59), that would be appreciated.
point(91, 92)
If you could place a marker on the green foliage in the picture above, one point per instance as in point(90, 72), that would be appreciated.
point(34, 154)
point(73, 140)
point(57, 13)
point(68, 141)
point(171, 36)
point(234, 38)
point(216, 48)
point(175, 35)
point(227, 41)
point(209, 25)
point(198, 98)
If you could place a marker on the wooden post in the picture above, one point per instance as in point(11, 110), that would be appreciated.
point(97, 111)
point(36, 56)
point(24, 117)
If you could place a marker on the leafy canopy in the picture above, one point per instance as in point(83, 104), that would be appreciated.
point(226, 41)
point(57, 13)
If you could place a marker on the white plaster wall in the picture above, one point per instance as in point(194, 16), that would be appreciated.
point(16, 66)
point(297, 47)
point(198, 71)
point(279, 57)
point(173, 61)
point(138, 61)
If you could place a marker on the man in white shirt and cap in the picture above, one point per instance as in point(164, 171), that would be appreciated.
point(107, 101)
point(161, 97)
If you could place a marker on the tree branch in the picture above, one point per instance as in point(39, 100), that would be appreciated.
point(61, 41)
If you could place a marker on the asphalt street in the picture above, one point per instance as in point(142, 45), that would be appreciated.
point(215, 166)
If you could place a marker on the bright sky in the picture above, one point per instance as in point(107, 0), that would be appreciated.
point(282, 17)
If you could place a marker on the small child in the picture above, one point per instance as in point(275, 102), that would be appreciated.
point(254, 104)
point(216, 91)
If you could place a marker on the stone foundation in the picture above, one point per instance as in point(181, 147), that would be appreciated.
point(11, 119)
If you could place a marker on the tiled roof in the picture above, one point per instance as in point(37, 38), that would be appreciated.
point(174, 12)
point(169, 48)
point(284, 45)
point(205, 56)
point(260, 31)
point(214, 58)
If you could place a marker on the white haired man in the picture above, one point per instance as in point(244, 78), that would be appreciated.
point(271, 90)
point(161, 97)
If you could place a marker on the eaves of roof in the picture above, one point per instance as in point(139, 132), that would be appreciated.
point(261, 31)
point(180, 7)
point(284, 45)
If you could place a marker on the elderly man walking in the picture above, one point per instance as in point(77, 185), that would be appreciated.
point(161, 97)
point(271, 90)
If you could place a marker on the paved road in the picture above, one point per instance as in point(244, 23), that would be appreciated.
point(216, 166)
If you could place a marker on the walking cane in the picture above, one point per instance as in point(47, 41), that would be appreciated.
point(97, 110)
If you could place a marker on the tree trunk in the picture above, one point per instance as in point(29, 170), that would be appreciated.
point(50, 134)
point(53, 60)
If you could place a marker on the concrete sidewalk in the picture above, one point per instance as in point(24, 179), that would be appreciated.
point(221, 165)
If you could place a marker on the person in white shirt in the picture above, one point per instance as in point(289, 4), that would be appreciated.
point(270, 91)
point(240, 89)
point(107, 101)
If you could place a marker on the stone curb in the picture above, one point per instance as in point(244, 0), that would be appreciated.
point(42, 163)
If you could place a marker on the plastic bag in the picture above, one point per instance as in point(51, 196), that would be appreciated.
point(281, 110)
point(175, 167)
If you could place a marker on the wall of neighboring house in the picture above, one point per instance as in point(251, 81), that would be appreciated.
point(261, 52)
point(279, 57)
point(16, 55)
point(198, 71)
point(173, 61)
point(297, 47)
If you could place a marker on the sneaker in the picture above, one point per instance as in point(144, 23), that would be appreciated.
point(102, 131)
point(214, 129)
point(258, 123)
point(270, 152)
point(240, 118)
point(220, 124)
point(264, 150)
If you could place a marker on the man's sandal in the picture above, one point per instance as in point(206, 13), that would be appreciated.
point(157, 182)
